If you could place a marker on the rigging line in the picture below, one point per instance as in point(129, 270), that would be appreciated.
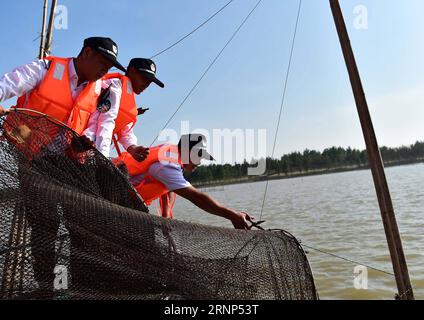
point(330, 254)
point(207, 70)
point(283, 98)
point(193, 31)
point(348, 260)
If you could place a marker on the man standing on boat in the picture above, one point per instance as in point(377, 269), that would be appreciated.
point(66, 89)
point(117, 111)
point(160, 176)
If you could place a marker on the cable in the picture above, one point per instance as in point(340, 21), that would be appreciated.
point(207, 69)
point(324, 252)
point(193, 31)
point(348, 260)
point(283, 99)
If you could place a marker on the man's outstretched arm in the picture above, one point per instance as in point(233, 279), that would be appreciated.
point(209, 204)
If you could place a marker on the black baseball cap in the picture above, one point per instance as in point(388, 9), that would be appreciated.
point(148, 68)
point(107, 47)
point(194, 141)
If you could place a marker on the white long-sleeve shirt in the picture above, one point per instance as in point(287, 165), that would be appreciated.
point(101, 125)
point(24, 79)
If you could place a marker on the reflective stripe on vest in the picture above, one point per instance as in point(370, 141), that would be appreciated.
point(53, 97)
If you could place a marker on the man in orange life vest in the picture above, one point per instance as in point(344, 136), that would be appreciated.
point(161, 175)
point(66, 89)
point(117, 111)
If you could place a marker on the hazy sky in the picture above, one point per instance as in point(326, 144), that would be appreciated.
point(243, 90)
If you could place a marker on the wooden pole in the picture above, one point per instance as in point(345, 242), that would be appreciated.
point(384, 199)
point(43, 31)
point(50, 29)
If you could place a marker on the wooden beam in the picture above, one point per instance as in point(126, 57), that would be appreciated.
point(48, 44)
point(43, 31)
point(383, 194)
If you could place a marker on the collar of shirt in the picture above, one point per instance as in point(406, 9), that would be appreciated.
point(73, 79)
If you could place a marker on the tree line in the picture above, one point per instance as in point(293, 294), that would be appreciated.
point(308, 162)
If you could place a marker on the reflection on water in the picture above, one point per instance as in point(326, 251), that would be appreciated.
point(337, 213)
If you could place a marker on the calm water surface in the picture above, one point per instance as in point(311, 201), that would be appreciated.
point(337, 213)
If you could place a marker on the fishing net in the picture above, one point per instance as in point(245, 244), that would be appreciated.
point(72, 227)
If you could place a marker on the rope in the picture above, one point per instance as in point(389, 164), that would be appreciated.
point(193, 31)
point(283, 98)
point(348, 260)
point(256, 225)
point(398, 296)
point(207, 70)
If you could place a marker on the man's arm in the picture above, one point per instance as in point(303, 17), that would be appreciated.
point(209, 204)
point(105, 122)
point(129, 141)
point(22, 80)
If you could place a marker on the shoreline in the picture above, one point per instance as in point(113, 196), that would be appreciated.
point(315, 172)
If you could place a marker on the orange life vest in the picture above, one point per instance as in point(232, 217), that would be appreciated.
point(53, 97)
point(150, 188)
point(127, 108)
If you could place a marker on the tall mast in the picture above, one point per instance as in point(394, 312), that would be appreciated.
point(43, 31)
point(50, 29)
point(383, 194)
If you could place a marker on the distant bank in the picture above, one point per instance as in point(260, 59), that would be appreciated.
point(290, 175)
point(306, 163)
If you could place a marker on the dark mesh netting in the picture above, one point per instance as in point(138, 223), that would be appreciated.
point(72, 227)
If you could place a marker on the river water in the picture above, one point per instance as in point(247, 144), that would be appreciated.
point(337, 213)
